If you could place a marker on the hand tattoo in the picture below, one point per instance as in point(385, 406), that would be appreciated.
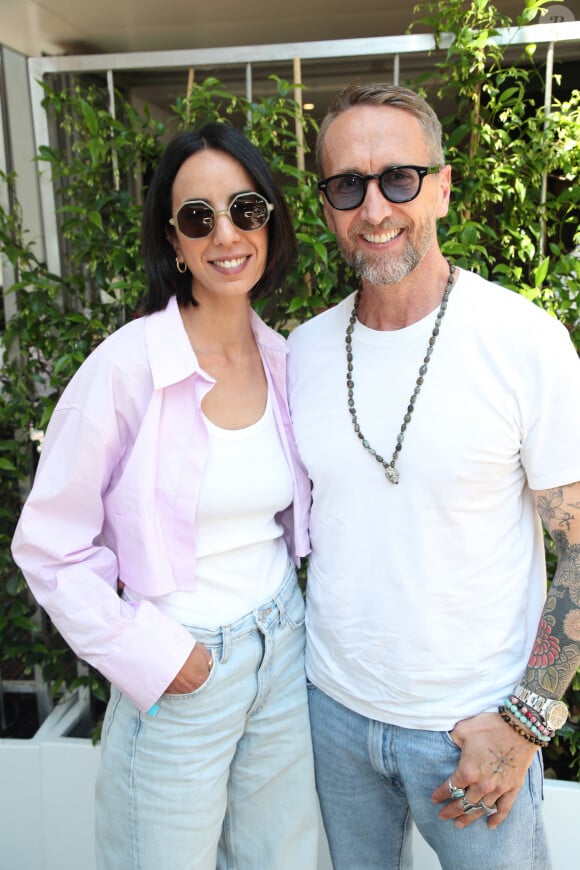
point(502, 760)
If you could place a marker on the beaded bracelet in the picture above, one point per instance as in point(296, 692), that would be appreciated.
point(521, 731)
point(528, 717)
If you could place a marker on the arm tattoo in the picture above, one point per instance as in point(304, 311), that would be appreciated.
point(556, 654)
point(553, 510)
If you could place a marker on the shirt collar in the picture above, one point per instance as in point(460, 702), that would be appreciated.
point(171, 355)
point(267, 339)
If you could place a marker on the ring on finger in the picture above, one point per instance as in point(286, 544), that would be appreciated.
point(468, 807)
point(487, 811)
point(454, 791)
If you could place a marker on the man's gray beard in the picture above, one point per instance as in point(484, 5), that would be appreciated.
point(383, 270)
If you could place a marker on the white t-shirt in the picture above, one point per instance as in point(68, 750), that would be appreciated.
point(423, 599)
point(242, 557)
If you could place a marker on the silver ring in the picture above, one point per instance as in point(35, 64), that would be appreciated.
point(487, 811)
point(468, 807)
point(454, 791)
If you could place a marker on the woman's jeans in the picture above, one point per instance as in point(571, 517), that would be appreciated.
point(374, 780)
point(222, 777)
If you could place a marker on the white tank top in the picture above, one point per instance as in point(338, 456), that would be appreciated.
point(241, 555)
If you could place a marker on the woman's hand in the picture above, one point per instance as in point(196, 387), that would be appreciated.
point(194, 672)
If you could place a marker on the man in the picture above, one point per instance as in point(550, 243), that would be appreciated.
point(439, 418)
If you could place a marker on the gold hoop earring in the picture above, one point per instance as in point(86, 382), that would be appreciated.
point(181, 266)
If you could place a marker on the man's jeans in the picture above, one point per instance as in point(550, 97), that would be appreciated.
point(374, 780)
point(222, 777)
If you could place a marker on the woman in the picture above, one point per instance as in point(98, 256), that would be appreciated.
point(169, 472)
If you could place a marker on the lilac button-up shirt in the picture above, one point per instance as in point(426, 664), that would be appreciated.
point(115, 498)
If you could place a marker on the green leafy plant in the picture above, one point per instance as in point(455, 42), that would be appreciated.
point(515, 201)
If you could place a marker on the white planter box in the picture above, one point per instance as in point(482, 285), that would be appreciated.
point(47, 807)
point(46, 804)
point(46, 796)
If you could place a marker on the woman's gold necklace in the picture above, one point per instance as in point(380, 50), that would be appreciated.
point(391, 471)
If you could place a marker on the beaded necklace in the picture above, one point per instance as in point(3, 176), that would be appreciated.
point(391, 471)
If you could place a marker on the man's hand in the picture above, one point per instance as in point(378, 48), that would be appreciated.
point(194, 672)
point(493, 765)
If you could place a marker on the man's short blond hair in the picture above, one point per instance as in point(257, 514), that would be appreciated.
point(379, 94)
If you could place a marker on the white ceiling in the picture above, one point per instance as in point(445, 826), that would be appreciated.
point(52, 27)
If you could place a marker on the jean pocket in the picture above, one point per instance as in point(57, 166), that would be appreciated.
point(177, 698)
point(448, 738)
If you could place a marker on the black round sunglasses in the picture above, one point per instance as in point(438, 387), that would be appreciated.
point(398, 184)
point(196, 218)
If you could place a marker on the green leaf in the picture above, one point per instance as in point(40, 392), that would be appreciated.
point(469, 236)
point(96, 219)
point(296, 303)
point(90, 118)
point(541, 271)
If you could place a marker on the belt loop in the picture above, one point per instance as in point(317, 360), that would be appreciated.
point(281, 611)
point(226, 643)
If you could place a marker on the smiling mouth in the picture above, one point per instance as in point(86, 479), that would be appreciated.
point(232, 263)
point(381, 238)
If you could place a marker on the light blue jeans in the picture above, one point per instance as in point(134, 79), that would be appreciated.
point(222, 777)
point(374, 780)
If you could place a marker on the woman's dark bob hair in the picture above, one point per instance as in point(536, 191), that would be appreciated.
point(163, 279)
